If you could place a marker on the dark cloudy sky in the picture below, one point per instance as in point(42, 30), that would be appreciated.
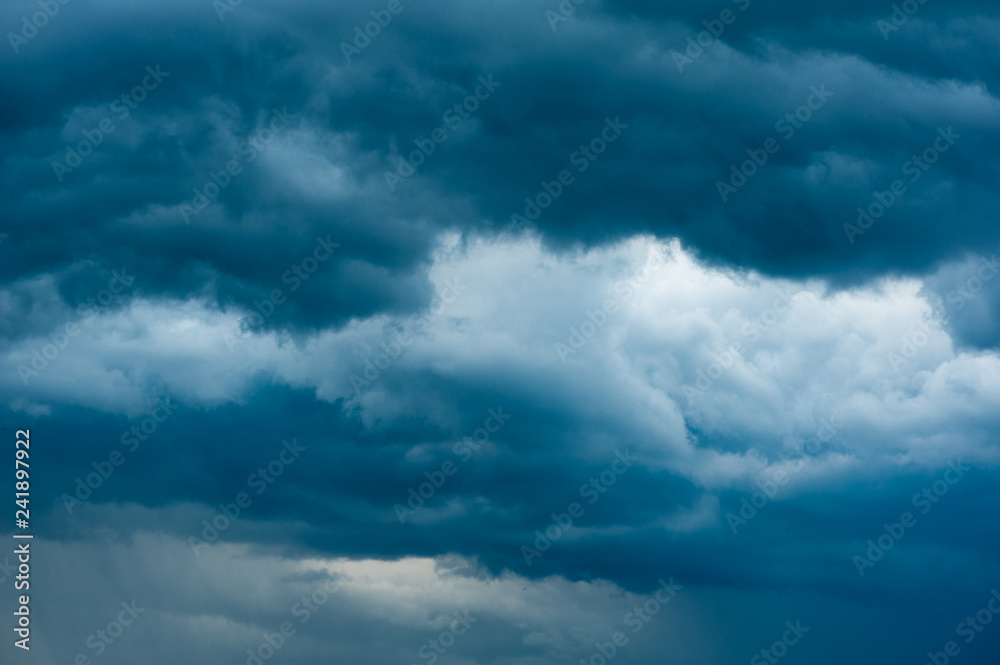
point(511, 328)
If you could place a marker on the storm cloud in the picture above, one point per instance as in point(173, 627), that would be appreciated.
point(503, 324)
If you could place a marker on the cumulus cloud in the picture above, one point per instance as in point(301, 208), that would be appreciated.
point(638, 335)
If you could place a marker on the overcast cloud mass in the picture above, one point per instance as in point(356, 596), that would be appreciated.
point(502, 332)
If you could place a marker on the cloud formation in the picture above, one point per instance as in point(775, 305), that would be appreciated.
point(515, 308)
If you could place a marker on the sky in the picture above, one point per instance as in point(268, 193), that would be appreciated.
point(501, 332)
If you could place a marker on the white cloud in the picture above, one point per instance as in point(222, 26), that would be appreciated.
point(654, 374)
